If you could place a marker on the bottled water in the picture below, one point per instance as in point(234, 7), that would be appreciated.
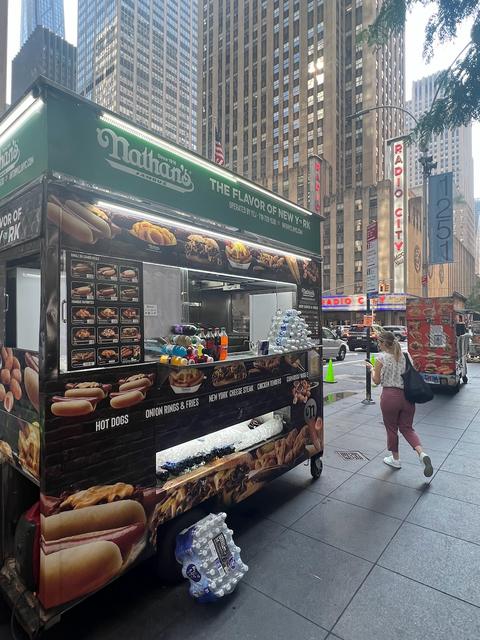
point(210, 559)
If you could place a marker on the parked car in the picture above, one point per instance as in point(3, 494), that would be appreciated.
point(333, 347)
point(357, 337)
point(398, 331)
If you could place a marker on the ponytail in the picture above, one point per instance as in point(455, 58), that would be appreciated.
point(397, 351)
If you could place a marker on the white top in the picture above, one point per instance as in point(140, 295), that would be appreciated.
point(391, 371)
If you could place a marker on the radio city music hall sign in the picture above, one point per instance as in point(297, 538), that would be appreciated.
point(399, 246)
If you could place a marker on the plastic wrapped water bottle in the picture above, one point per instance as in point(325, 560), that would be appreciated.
point(210, 558)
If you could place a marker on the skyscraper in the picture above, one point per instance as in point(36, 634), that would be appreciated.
point(139, 59)
point(452, 149)
point(43, 13)
point(46, 54)
point(3, 53)
point(280, 79)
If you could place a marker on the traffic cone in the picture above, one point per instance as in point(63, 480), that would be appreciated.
point(330, 377)
point(372, 360)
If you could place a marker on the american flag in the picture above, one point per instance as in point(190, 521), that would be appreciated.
point(219, 155)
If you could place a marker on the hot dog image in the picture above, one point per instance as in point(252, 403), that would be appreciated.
point(106, 272)
point(107, 292)
point(82, 221)
point(88, 539)
point(79, 399)
point(131, 391)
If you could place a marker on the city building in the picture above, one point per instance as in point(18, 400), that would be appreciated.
point(477, 236)
point(43, 13)
point(46, 54)
point(451, 150)
point(280, 80)
point(139, 59)
point(3, 54)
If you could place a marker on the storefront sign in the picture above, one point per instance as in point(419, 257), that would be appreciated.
point(372, 258)
point(399, 206)
point(387, 302)
point(21, 219)
point(344, 303)
point(315, 184)
point(23, 148)
point(440, 218)
point(114, 154)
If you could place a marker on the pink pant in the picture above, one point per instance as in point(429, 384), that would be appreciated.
point(397, 414)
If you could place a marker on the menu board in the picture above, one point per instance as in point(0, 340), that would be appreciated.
point(308, 304)
point(104, 311)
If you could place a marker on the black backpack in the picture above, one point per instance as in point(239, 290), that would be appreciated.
point(415, 388)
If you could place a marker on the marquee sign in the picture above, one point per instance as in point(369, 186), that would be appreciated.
point(399, 207)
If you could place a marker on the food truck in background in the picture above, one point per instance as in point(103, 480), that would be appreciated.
point(474, 348)
point(437, 340)
point(110, 240)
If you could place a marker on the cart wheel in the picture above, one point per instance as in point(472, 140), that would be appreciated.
point(316, 467)
point(168, 570)
point(465, 379)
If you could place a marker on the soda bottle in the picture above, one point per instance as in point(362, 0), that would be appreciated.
point(210, 342)
point(216, 337)
point(223, 344)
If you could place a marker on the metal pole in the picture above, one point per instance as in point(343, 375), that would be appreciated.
point(425, 174)
point(368, 375)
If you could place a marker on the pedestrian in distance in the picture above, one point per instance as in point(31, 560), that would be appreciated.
point(397, 411)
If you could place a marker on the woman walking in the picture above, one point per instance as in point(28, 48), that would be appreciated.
point(397, 411)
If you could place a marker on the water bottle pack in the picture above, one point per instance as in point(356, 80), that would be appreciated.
point(288, 332)
point(210, 558)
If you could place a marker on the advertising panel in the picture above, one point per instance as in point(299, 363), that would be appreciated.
point(399, 181)
point(372, 258)
point(440, 218)
point(315, 185)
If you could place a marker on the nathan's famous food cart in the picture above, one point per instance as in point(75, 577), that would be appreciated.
point(109, 237)
point(437, 341)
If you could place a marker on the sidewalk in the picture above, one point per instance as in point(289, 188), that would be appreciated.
point(364, 553)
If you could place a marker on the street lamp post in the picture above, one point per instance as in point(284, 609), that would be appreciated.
point(428, 165)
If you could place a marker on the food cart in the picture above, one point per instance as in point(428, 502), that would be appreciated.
point(437, 341)
point(109, 237)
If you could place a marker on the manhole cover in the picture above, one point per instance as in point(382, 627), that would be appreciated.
point(352, 455)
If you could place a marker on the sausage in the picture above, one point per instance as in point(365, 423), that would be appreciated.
point(126, 399)
point(86, 392)
point(124, 538)
point(100, 517)
point(71, 573)
point(72, 407)
point(70, 224)
point(140, 383)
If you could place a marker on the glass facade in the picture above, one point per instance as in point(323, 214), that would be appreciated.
point(43, 13)
point(139, 59)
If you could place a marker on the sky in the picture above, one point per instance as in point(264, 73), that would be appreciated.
point(415, 65)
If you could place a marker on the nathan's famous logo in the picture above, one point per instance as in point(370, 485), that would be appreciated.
point(144, 163)
point(9, 156)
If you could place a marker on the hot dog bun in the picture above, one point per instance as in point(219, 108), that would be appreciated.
point(70, 224)
point(72, 407)
point(96, 518)
point(72, 573)
point(127, 399)
point(91, 218)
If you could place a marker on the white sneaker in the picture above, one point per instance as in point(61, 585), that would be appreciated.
point(390, 460)
point(425, 460)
